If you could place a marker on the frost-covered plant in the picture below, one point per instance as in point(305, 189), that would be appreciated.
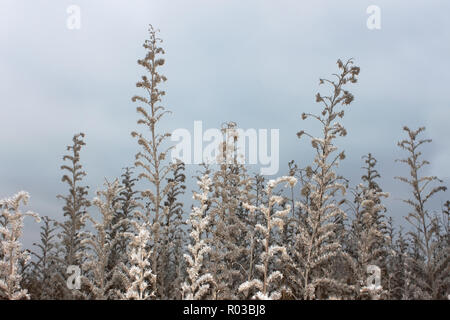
point(127, 201)
point(141, 278)
point(252, 220)
point(397, 265)
point(431, 273)
point(151, 158)
point(45, 264)
point(11, 248)
point(317, 242)
point(174, 233)
point(230, 188)
point(268, 287)
point(442, 250)
point(199, 283)
point(368, 231)
point(74, 209)
point(98, 277)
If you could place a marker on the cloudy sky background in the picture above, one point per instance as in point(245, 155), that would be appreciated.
point(254, 62)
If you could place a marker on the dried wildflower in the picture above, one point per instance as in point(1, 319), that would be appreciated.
point(74, 209)
point(151, 159)
point(268, 286)
point(11, 253)
point(199, 282)
point(99, 244)
point(318, 98)
point(432, 278)
point(318, 234)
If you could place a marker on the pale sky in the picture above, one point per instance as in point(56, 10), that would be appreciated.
point(253, 62)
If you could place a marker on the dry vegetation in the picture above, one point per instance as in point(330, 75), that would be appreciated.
point(244, 237)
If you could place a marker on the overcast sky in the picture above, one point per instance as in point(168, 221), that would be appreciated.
point(254, 62)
